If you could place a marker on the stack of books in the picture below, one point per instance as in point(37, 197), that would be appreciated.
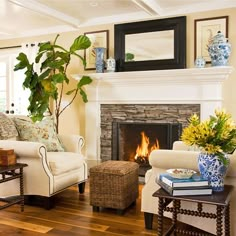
point(195, 185)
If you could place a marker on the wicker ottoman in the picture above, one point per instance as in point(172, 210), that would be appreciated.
point(113, 184)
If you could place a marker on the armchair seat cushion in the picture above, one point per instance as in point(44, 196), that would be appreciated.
point(63, 162)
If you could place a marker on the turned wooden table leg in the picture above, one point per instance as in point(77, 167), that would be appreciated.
point(160, 217)
point(176, 206)
point(227, 220)
point(22, 189)
point(219, 220)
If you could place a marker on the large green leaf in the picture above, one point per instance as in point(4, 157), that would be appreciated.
point(71, 91)
point(44, 75)
point(83, 95)
point(58, 78)
point(84, 81)
point(45, 46)
point(80, 43)
point(23, 62)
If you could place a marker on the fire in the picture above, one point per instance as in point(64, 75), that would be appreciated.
point(143, 150)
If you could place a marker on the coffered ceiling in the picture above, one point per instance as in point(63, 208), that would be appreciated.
point(21, 18)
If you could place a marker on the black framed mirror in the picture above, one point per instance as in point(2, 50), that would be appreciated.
point(151, 45)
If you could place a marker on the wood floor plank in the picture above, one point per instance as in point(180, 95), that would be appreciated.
point(25, 225)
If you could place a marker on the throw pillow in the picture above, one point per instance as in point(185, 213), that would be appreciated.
point(43, 132)
point(7, 127)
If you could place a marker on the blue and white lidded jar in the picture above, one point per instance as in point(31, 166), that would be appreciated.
point(219, 50)
point(111, 65)
point(200, 62)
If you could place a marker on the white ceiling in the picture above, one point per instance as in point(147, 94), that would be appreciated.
point(20, 18)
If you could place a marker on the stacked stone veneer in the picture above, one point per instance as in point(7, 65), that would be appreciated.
point(156, 113)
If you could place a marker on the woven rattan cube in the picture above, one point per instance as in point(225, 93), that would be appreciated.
point(113, 184)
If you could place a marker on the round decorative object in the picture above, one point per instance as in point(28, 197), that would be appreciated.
point(219, 50)
point(181, 173)
point(100, 63)
point(200, 62)
point(213, 169)
point(111, 65)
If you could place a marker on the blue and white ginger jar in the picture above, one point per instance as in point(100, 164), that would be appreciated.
point(219, 50)
point(212, 168)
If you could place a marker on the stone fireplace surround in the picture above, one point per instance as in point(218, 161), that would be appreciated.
point(186, 87)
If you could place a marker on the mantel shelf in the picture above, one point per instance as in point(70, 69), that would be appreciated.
point(208, 74)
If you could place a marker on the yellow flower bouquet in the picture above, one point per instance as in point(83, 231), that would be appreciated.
point(216, 135)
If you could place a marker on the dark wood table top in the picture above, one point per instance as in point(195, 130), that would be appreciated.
point(12, 167)
point(217, 198)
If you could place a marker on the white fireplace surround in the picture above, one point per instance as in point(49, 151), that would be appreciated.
point(182, 86)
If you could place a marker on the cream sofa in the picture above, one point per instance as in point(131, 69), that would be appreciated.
point(182, 156)
point(48, 173)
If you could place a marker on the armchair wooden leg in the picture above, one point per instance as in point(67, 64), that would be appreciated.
point(46, 202)
point(81, 187)
point(148, 217)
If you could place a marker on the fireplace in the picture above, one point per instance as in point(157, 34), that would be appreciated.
point(170, 95)
point(113, 115)
point(133, 141)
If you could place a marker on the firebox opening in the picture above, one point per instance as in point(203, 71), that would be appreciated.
point(134, 141)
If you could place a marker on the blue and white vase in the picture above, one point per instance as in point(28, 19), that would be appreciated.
point(219, 50)
point(100, 63)
point(213, 169)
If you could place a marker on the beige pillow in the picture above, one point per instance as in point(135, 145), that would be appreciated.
point(43, 132)
point(7, 127)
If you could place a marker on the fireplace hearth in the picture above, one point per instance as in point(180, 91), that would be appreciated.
point(134, 141)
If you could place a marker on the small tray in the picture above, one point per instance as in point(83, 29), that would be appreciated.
point(181, 173)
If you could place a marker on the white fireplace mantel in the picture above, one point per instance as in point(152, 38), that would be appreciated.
point(181, 86)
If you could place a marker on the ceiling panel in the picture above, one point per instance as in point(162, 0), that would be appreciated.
point(34, 17)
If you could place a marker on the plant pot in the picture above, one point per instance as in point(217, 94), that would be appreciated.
point(212, 168)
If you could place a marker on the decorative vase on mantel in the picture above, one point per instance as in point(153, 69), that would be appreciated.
point(212, 168)
point(100, 63)
point(219, 50)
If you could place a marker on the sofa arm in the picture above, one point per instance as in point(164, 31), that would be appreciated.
point(168, 159)
point(23, 148)
point(72, 143)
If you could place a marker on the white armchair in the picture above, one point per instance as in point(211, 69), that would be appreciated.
point(48, 173)
point(182, 157)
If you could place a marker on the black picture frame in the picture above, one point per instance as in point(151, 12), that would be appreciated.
point(178, 24)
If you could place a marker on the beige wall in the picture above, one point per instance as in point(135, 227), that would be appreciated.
point(72, 120)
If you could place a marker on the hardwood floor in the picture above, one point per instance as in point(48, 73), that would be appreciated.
point(73, 215)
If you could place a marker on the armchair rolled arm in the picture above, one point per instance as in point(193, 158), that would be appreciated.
point(168, 159)
point(72, 143)
point(23, 148)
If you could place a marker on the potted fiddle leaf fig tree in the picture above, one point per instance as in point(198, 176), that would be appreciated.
point(49, 83)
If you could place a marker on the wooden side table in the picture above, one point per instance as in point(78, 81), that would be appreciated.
point(11, 172)
point(219, 199)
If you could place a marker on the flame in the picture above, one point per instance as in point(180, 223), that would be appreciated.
point(143, 150)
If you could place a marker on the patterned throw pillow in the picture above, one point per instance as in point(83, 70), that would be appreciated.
point(7, 127)
point(43, 132)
